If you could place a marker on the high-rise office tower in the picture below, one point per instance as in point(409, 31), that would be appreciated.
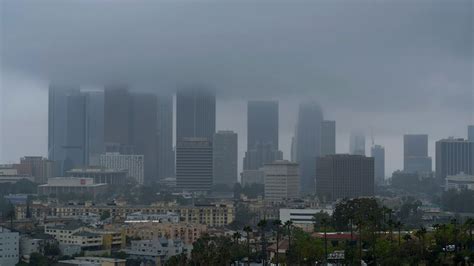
point(454, 156)
point(76, 132)
point(262, 123)
point(470, 133)
point(143, 129)
point(165, 137)
point(194, 161)
point(308, 144)
point(293, 149)
point(262, 134)
point(415, 154)
point(117, 115)
point(378, 153)
point(195, 114)
point(94, 126)
point(225, 158)
point(357, 143)
point(281, 181)
point(57, 124)
point(344, 176)
point(328, 137)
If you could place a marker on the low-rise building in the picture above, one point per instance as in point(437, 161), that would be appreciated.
point(101, 175)
point(303, 218)
point(9, 247)
point(92, 261)
point(459, 182)
point(157, 250)
point(139, 217)
point(68, 185)
point(134, 164)
point(35, 243)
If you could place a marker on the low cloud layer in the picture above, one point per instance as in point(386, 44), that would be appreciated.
point(364, 61)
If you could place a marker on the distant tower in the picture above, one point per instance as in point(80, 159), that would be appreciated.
point(94, 126)
point(281, 181)
point(470, 133)
point(225, 158)
point(357, 143)
point(165, 151)
point(328, 137)
point(415, 154)
point(194, 169)
point(454, 156)
point(117, 115)
point(308, 144)
point(378, 152)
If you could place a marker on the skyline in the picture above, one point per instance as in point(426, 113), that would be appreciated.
point(408, 71)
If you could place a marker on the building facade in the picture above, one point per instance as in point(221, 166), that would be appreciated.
point(134, 164)
point(459, 182)
point(454, 156)
point(9, 247)
point(37, 167)
point(166, 164)
point(281, 181)
point(194, 164)
point(328, 137)
point(71, 185)
point(470, 133)
point(225, 158)
point(415, 154)
point(357, 143)
point(101, 175)
point(249, 177)
point(378, 153)
point(345, 176)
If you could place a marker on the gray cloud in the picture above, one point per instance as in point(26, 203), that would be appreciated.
point(361, 60)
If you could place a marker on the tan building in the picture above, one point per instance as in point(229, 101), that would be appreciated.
point(187, 232)
point(212, 215)
point(281, 181)
point(36, 166)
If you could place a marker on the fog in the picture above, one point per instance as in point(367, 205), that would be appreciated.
point(384, 67)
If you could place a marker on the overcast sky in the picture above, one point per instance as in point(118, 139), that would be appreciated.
point(386, 67)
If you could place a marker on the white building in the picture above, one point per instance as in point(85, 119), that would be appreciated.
point(459, 182)
point(157, 251)
point(139, 217)
point(9, 247)
point(133, 163)
point(301, 216)
point(281, 181)
point(77, 185)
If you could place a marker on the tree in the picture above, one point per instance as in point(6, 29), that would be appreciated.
point(104, 215)
point(262, 224)
point(277, 225)
point(247, 230)
point(288, 225)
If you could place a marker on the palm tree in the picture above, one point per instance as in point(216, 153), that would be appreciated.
point(277, 224)
point(399, 226)
point(262, 224)
point(288, 225)
point(390, 228)
point(420, 234)
point(469, 223)
point(324, 223)
point(236, 236)
point(247, 229)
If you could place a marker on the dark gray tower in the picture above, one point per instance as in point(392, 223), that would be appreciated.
point(378, 153)
point(454, 156)
point(94, 126)
point(328, 137)
point(308, 144)
point(76, 134)
point(194, 164)
point(470, 133)
point(225, 158)
point(415, 154)
point(165, 137)
point(195, 114)
point(262, 123)
point(117, 115)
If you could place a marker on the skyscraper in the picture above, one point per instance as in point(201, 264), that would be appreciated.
point(470, 133)
point(76, 132)
point(195, 114)
point(454, 156)
point(344, 176)
point(262, 123)
point(308, 144)
point(357, 143)
point(415, 154)
point(328, 137)
point(194, 168)
point(143, 131)
point(281, 181)
point(94, 126)
point(57, 124)
point(225, 158)
point(165, 137)
point(117, 115)
point(262, 134)
point(378, 153)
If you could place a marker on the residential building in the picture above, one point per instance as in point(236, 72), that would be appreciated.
point(156, 251)
point(92, 261)
point(212, 215)
point(194, 166)
point(328, 137)
point(454, 156)
point(344, 176)
point(415, 154)
point(378, 153)
point(35, 243)
point(139, 217)
point(9, 174)
point(225, 158)
point(249, 177)
point(133, 164)
point(9, 247)
point(281, 181)
point(100, 175)
point(459, 182)
point(71, 185)
point(308, 144)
